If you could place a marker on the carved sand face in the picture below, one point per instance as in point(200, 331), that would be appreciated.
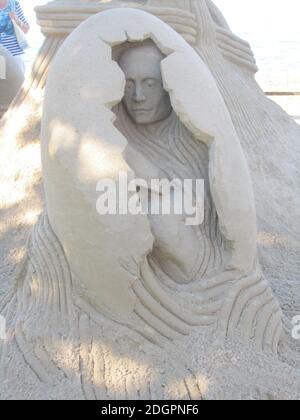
point(145, 99)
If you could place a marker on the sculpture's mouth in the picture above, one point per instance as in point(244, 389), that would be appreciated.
point(142, 110)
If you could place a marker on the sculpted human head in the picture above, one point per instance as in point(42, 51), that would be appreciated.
point(145, 99)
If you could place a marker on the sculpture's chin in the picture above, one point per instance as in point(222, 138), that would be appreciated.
point(142, 118)
point(149, 117)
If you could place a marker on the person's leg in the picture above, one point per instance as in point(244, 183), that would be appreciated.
point(20, 62)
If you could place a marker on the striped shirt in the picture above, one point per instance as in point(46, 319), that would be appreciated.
point(8, 38)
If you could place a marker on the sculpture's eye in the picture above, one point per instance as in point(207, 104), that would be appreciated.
point(129, 85)
point(150, 82)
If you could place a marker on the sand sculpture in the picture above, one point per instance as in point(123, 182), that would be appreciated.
point(92, 323)
point(11, 79)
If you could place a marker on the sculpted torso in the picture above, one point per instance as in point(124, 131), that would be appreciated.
point(148, 106)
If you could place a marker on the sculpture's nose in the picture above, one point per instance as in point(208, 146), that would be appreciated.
point(139, 95)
